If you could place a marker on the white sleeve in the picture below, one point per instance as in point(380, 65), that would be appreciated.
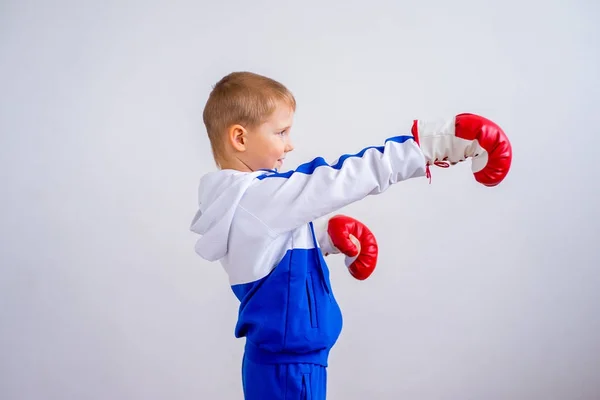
point(285, 201)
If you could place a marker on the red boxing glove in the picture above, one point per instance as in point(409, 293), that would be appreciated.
point(352, 238)
point(447, 142)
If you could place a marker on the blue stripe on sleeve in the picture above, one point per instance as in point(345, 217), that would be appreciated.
point(309, 168)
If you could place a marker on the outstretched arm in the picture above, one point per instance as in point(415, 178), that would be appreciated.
point(285, 201)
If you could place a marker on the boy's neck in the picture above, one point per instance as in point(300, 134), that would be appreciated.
point(236, 164)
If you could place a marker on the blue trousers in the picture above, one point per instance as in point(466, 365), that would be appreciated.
point(283, 381)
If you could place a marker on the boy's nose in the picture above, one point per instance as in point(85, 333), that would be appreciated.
point(289, 146)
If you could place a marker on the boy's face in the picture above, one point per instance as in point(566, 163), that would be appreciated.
point(268, 144)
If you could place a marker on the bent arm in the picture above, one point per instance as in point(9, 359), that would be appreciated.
point(285, 201)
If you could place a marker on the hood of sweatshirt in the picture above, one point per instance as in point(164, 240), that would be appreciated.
point(219, 194)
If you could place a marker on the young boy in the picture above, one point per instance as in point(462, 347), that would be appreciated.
point(258, 223)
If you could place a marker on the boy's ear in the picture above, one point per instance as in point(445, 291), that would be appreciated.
point(238, 137)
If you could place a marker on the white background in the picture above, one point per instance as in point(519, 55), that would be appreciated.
point(480, 293)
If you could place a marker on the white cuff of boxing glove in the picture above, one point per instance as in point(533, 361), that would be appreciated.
point(323, 238)
point(439, 143)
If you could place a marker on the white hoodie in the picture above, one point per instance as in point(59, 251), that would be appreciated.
point(259, 226)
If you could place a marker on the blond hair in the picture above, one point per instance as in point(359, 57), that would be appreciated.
point(243, 98)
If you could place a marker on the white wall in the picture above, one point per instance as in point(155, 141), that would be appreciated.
point(480, 293)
